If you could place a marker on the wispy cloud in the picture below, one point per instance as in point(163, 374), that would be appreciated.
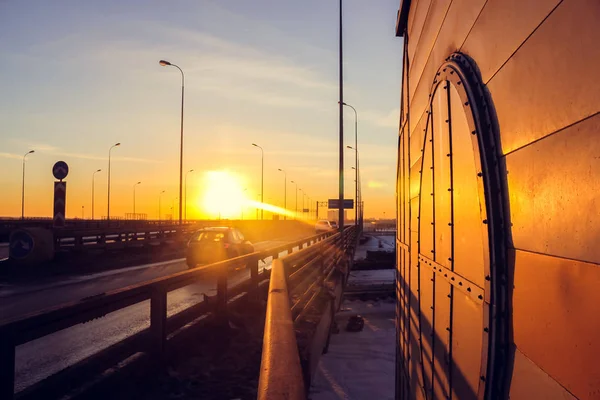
point(389, 120)
point(10, 155)
point(44, 148)
point(376, 185)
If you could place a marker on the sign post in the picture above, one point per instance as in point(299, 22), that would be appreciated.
point(60, 170)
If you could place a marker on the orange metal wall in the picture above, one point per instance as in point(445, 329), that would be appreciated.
point(537, 62)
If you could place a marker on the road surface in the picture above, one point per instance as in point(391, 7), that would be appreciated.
point(43, 357)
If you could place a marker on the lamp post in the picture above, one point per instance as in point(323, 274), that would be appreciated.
point(23, 186)
point(355, 162)
point(159, 196)
point(296, 211)
point(341, 133)
point(166, 63)
point(262, 177)
point(134, 199)
point(108, 205)
point(186, 174)
point(173, 207)
point(93, 176)
point(284, 192)
point(355, 185)
point(302, 191)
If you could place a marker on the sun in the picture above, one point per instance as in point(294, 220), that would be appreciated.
point(223, 194)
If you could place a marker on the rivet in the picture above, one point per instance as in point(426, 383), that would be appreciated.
point(449, 223)
point(466, 103)
point(482, 378)
point(474, 132)
point(446, 275)
point(448, 329)
point(459, 283)
point(449, 258)
point(485, 221)
point(486, 330)
point(479, 174)
point(480, 297)
point(459, 83)
point(449, 296)
point(487, 278)
point(452, 278)
point(446, 120)
point(468, 289)
point(449, 189)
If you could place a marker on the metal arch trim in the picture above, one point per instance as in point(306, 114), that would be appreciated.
point(462, 73)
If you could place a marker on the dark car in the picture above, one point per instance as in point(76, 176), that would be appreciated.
point(209, 245)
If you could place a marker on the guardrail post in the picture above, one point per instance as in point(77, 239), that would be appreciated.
point(221, 306)
point(7, 367)
point(254, 279)
point(158, 323)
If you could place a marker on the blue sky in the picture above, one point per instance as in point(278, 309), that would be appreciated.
point(77, 77)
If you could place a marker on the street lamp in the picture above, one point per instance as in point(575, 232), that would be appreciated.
point(284, 192)
point(341, 133)
point(186, 174)
point(159, 196)
point(134, 199)
point(355, 185)
point(262, 178)
point(108, 206)
point(355, 162)
point(296, 213)
point(164, 64)
point(302, 191)
point(23, 186)
point(93, 176)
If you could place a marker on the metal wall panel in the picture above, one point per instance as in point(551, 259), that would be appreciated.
point(441, 347)
point(427, 39)
point(415, 182)
point(550, 82)
point(420, 11)
point(442, 178)
point(458, 22)
point(555, 316)
point(468, 234)
point(511, 20)
point(426, 322)
point(554, 193)
point(466, 346)
point(530, 382)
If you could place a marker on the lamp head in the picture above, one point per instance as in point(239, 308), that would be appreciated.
point(350, 147)
point(254, 144)
point(138, 183)
point(164, 63)
point(98, 170)
point(117, 144)
point(31, 151)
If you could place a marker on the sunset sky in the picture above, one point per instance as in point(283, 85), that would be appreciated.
point(77, 77)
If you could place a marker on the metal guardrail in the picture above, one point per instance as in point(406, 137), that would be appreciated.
point(296, 282)
point(119, 237)
point(153, 339)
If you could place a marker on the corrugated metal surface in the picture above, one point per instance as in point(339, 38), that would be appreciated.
point(550, 82)
point(555, 193)
point(556, 322)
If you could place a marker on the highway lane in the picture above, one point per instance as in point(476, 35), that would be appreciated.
point(24, 299)
point(43, 357)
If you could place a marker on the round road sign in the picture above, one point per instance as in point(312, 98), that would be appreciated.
point(60, 170)
point(21, 244)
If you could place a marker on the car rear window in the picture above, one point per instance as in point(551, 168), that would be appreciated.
point(209, 236)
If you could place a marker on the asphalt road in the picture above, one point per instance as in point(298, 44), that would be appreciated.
point(43, 357)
